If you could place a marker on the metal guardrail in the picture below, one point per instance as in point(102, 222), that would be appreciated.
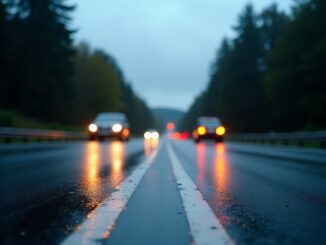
point(25, 135)
point(300, 138)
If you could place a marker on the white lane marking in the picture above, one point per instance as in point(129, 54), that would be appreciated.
point(100, 221)
point(204, 225)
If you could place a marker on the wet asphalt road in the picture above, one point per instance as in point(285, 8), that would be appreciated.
point(261, 199)
point(47, 190)
point(261, 195)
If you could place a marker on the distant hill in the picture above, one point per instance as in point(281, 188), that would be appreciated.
point(167, 114)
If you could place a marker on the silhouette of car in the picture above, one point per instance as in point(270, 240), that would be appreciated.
point(109, 125)
point(208, 128)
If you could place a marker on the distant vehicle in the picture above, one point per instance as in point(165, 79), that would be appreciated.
point(208, 128)
point(109, 125)
point(151, 134)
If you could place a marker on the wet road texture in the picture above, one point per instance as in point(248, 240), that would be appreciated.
point(260, 194)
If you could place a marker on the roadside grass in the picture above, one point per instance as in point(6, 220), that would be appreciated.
point(313, 144)
point(19, 140)
point(13, 119)
point(16, 120)
point(291, 143)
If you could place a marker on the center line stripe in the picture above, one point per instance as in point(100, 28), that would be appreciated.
point(100, 221)
point(204, 225)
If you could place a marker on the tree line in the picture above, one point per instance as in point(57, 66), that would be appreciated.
point(45, 76)
point(271, 75)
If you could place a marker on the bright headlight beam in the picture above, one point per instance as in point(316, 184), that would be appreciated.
point(92, 127)
point(155, 135)
point(116, 128)
point(201, 130)
point(220, 131)
point(147, 135)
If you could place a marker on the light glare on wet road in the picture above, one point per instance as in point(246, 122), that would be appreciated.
point(117, 160)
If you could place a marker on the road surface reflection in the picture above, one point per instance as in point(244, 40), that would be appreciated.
point(213, 176)
point(104, 168)
point(220, 169)
point(201, 149)
point(93, 159)
point(221, 181)
point(117, 162)
point(150, 146)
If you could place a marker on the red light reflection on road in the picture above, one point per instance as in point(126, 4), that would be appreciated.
point(221, 180)
point(116, 159)
point(220, 168)
point(201, 149)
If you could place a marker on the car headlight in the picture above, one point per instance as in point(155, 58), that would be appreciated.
point(117, 128)
point(92, 128)
point(220, 131)
point(201, 130)
point(155, 135)
point(147, 135)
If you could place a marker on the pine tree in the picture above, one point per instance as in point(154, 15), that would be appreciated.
point(295, 78)
point(47, 69)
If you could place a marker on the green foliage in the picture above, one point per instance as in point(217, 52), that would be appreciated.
point(96, 84)
point(235, 93)
point(100, 87)
point(44, 76)
point(139, 115)
point(295, 78)
point(47, 56)
point(271, 76)
point(37, 65)
point(187, 122)
point(6, 118)
point(4, 54)
point(11, 119)
point(271, 23)
point(245, 99)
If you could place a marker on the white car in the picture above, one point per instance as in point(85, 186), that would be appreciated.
point(109, 125)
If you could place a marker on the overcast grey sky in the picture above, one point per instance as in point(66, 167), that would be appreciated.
point(164, 47)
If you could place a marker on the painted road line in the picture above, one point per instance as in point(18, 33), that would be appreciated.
point(99, 223)
point(204, 225)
